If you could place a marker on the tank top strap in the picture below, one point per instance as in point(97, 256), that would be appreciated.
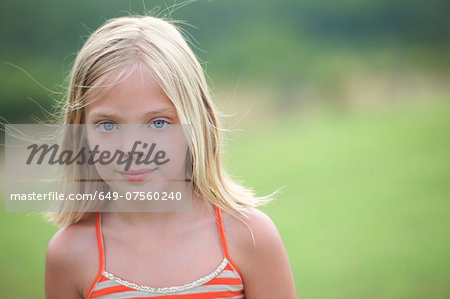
point(219, 222)
point(223, 242)
point(101, 259)
point(98, 229)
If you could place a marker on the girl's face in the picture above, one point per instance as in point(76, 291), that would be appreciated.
point(137, 116)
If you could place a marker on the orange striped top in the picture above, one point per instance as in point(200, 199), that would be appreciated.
point(224, 282)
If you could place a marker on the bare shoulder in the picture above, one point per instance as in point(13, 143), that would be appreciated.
point(257, 250)
point(71, 260)
point(258, 233)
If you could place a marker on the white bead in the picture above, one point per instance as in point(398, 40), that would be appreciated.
point(173, 289)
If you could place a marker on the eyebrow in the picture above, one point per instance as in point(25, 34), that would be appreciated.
point(149, 114)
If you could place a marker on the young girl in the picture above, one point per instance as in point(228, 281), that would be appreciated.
point(140, 70)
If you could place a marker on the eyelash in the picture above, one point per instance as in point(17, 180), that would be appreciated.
point(98, 124)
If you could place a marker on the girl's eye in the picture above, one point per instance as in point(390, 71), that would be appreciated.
point(158, 124)
point(107, 126)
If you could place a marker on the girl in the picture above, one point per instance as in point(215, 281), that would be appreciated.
point(140, 70)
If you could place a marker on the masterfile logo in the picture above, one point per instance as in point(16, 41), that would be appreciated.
point(133, 167)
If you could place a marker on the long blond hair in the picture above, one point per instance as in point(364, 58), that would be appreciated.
point(120, 46)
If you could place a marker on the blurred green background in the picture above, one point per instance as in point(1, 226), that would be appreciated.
point(344, 103)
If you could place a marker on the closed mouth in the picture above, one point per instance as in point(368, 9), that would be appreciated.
point(137, 175)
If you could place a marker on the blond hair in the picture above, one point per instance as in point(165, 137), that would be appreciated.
point(125, 44)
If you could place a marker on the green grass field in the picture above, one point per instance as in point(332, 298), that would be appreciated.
point(364, 213)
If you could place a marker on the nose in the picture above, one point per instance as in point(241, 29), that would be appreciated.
point(132, 141)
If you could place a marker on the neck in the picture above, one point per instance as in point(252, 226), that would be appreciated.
point(159, 219)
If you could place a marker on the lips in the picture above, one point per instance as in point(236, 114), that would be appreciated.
point(137, 175)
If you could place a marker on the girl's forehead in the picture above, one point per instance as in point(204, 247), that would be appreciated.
point(137, 93)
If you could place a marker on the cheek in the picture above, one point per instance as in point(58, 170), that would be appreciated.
point(102, 142)
point(176, 167)
point(175, 147)
point(102, 145)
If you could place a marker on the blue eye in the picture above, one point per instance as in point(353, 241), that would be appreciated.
point(108, 126)
point(159, 124)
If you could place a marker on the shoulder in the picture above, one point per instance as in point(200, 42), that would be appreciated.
point(257, 250)
point(70, 244)
point(71, 258)
point(257, 233)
